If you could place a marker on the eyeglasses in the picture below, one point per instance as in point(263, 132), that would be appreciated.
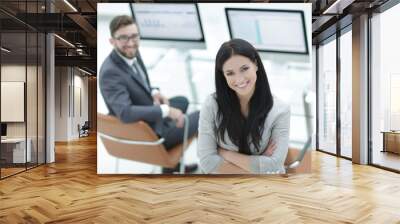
point(125, 38)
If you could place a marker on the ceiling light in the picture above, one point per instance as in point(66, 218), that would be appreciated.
point(84, 71)
point(64, 40)
point(338, 6)
point(70, 5)
point(5, 50)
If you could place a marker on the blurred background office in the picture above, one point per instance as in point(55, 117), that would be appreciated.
point(180, 58)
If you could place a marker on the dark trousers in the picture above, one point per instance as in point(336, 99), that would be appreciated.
point(173, 135)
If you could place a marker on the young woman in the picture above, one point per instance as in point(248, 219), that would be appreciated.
point(242, 127)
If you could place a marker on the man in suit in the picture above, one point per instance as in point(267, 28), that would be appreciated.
point(127, 92)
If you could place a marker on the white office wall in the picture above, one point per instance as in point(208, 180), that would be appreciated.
point(71, 87)
point(80, 104)
point(82, 83)
point(61, 103)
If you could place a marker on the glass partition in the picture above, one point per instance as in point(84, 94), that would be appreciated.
point(31, 99)
point(346, 93)
point(41, 107)
point(22, 89)
point(13, 105)
point(327, 96)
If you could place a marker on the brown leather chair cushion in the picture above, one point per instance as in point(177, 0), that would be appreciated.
point(305, 165)
point(138, 131)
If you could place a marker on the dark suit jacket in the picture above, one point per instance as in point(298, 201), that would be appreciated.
point(125, 95)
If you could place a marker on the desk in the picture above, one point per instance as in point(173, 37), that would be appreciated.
point(13, 150)
point(391, 141)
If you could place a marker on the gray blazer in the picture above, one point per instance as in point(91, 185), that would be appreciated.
point(276, 127)
point(125, 95)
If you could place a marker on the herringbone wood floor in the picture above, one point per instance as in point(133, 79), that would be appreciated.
point(70, 191)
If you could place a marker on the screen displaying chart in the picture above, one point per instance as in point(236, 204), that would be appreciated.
point(168, 21)
point(269, 30)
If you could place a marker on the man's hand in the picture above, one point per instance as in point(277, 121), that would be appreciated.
point(160, 99)
point(270, 148)
point(177, 115)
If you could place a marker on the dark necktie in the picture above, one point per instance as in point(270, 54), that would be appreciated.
point(139, 71)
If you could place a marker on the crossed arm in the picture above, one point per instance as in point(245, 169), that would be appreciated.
point(237, 163)
point(214, 159)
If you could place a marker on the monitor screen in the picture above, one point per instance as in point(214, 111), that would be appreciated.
point(269, 30)
point(175, 22)
point(3, 129)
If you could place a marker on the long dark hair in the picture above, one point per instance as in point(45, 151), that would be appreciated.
point(240, 128)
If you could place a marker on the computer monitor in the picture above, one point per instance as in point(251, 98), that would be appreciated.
point(3, 129)
point(281, 31)
point(169, 25)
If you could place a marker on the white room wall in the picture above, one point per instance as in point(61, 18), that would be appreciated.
point(61, 103)
point(69, 79)
point(80, 118)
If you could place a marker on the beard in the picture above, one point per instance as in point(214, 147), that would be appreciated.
point(125, 54)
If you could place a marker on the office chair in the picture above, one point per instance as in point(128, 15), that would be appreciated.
point(84, 130)
point(85, 126)
point(299, 161)
point(138, 142)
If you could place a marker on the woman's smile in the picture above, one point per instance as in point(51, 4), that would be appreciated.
point(243, 85)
